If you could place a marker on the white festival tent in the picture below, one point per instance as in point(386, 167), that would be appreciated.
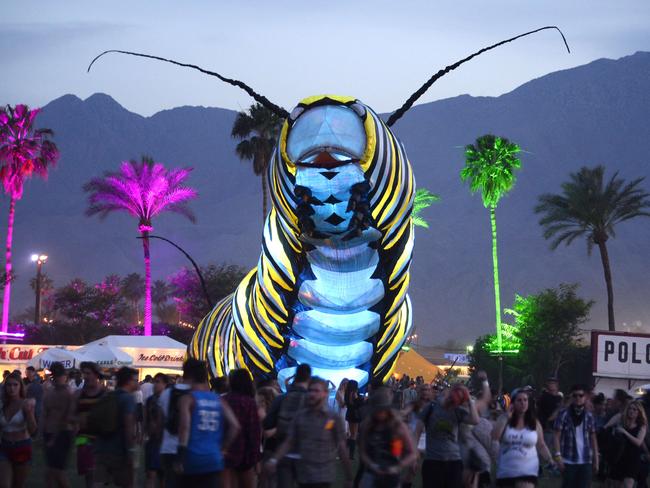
point(105, 355)
point(69, 359)
point(149, 354)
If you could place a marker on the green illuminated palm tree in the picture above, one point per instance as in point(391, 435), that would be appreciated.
point(423, 199)
point(589, 207)
point(490, 167)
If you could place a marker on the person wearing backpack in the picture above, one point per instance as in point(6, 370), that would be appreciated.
point(115, 449)
point(279, 418)
point(207, 427)
point(86, 399)
point(316, 435)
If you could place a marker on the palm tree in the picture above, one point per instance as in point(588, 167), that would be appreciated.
point(590, 207)
point(24, 151)
point(258, 131)
point(490, 168)
point(133, 289)
point(144, 189)
point(423, 199)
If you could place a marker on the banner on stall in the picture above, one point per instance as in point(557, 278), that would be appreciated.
point(156, 358)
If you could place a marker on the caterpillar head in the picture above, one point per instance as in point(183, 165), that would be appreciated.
point(324, 149)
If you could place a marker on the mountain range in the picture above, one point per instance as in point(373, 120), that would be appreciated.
point(590, 115)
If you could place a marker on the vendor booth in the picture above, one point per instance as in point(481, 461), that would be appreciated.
point(44, 359)
point(149, 354)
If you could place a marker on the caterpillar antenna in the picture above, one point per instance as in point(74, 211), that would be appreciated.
point(282, 113)
point(395, 116)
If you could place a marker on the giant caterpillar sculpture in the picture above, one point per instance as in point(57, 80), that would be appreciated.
point(330, 286)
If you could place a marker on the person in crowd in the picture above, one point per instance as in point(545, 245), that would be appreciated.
point(631, 427)
point(353, 404)
point(207, 426)
point(575, 442)
point(385, 444)
point(153, 431)
point(139, 413)
point(549, 404)
point(5, 375)
point(337, 402)
point(265, 397)
point(86, 398)
point(620, 400)
point(599, 412)
point(75, 382)
point(279, 418)
point(316, 435)
point(146, 387)
point(17, 425)
point(244, 453)
point(442, 465)
point(34, 390)
point(521, 441)
point(478, 448)
point(57, 424)
point(115, 453)
point(169, 404)
point(220, 385)
point(410, 394)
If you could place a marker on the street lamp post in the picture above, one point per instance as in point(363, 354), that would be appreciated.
point(40, 260)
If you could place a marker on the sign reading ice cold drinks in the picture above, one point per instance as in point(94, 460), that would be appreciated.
point(621, 355)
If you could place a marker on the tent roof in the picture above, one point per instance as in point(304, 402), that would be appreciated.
point(154, 342)
point(413, 364)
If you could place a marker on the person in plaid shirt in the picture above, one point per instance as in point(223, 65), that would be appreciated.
point(576, 447)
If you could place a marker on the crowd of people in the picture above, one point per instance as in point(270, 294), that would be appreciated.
point(235, 432)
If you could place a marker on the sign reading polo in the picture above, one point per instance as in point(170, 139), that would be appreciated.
point(621, 355)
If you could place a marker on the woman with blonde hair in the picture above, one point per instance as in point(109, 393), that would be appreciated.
point(18, 424)
point(630, 429)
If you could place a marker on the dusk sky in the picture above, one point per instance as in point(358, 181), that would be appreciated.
point(379, 51)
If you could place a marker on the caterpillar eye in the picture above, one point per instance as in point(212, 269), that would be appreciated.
point(359, 109)
point(295, 113)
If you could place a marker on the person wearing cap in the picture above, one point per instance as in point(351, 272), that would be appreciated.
point(316, 434)
point(575, 443)
point(385, 444)
point(57, 425)
point(86, 398)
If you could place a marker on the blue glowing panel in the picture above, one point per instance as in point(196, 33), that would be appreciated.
point(333, 127)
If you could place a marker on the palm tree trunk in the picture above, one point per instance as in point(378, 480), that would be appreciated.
point(604, 256)
point(264, 194)
point(147, 284)
point(497, 292)
point(7, 291)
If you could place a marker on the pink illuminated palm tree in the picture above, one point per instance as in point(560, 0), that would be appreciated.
point(144, 189)
point(24, 151)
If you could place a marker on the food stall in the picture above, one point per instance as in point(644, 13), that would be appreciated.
point(150, 354)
